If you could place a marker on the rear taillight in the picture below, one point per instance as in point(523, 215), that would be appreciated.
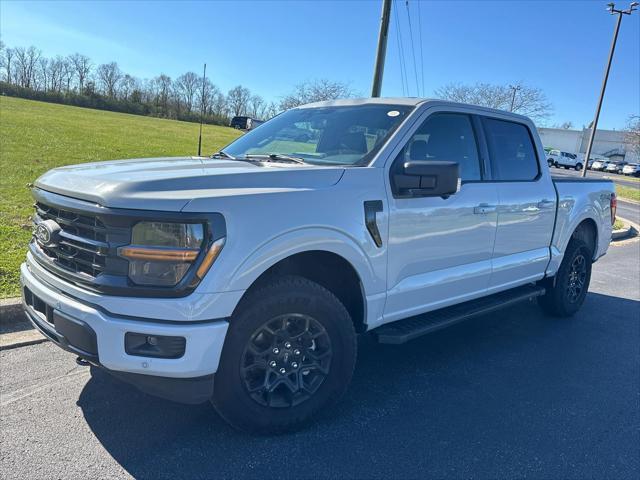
point(614, 206)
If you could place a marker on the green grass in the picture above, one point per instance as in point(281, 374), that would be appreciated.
point(628, 192)
point(618, 225)
point(37, 136)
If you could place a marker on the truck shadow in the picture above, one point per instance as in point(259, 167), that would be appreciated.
point(473, 400)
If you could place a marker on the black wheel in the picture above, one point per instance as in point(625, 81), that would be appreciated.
point(290, 351)
point(566, 295)
point(578, 167)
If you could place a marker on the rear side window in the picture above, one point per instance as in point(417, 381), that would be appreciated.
point(513, 156)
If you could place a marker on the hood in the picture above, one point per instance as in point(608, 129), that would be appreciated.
point(170, 183)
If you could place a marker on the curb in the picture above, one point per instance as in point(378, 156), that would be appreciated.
point(10, 309)
point(630, 231)
point(15, 330)
point(628, 200)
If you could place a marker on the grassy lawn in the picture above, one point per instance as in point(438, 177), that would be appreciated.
point(628, 192)
point(37, 136)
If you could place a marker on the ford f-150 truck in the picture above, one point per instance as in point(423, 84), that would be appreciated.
point(244, 278)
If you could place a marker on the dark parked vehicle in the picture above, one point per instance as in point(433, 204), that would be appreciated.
point(245, 123)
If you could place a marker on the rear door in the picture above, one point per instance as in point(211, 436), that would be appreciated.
point(526, 204)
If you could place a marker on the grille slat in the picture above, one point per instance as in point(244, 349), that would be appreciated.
point(83, 247)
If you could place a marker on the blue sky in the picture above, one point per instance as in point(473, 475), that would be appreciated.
point(560, 47)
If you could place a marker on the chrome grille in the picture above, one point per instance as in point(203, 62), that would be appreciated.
point(83, 246)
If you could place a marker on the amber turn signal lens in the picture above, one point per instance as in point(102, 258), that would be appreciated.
point(159, 254)
point(210, 257)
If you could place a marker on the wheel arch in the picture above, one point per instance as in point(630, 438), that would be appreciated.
point(329, 257)
point(327, 269)
point(587, 231)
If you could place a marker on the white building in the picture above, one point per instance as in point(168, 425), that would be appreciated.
point(608, 143)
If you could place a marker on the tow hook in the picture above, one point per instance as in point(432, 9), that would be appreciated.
point(82, 362)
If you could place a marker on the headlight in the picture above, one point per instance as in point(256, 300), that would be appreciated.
point(161, 253)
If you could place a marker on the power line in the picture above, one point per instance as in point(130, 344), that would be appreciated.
point(421, 54)
point(413, 50)
point(403, 69)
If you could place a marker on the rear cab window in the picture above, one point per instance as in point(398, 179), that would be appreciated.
point(511, 149)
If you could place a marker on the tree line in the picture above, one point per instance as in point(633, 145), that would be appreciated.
point(76, 80)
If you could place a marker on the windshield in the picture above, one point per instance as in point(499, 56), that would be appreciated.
point(347, 135)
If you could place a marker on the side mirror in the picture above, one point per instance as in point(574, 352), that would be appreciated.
point(420, 178)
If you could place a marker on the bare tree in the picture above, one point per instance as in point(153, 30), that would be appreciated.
point(109, 75)
point(219, 105)
point(82, 67)
point(26, 61)
point(43, 73)
point(632, 133)
point(256, 106)
point(7, 61)
point(315, 91)
point(56, 73)
point(206, 96)
point(238, 100)
point(187, 86)
point(128, 85)
point(564, 125)
point(163, 84)
point(528, 101)
point(271, 111)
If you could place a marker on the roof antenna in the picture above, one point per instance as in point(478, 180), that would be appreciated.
point(204, 76)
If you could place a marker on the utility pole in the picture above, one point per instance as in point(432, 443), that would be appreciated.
point(382, 49)
point(204, 79)
point(515, 88)
point(594, 124)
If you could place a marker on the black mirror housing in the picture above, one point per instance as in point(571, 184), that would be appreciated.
point(423, 178)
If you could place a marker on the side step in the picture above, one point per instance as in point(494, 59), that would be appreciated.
point(402, 331)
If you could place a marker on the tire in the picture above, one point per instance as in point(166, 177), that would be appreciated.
point(578, 167)
point(561, 299)
point(261, 337)
point(557, 165)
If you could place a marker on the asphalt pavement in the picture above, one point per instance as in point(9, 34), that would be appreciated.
point(513, 394)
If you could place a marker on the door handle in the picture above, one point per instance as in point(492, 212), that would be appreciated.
point(546, 203)
point(484, 208)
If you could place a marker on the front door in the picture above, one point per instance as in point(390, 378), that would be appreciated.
point(440, 249)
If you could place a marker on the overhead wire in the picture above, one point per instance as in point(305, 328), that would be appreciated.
point(413, 50)
point(403, 68)
point(420, 37)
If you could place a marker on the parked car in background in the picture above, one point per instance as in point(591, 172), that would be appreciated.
point(615, 167)
point(632, 169)
point(243, 278)
point(599, 165)
point(245, 123)
point(564, 159)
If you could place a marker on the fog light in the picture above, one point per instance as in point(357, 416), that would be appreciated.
point(155, 346)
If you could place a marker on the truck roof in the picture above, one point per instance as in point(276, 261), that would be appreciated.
point(409, 101)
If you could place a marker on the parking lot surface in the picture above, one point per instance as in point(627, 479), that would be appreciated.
point(513, 394)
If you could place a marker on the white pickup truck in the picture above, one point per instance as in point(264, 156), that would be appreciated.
point(243, 278)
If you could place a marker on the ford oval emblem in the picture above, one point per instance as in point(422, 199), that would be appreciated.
point(47, 233)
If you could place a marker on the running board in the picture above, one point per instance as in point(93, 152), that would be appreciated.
point(402, 331)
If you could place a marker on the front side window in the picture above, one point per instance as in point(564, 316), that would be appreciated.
point(446, 137)
point(513, 155)
point(344, 135)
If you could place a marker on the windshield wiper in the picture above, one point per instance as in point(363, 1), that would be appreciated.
point(223, 154)
point(274, 157)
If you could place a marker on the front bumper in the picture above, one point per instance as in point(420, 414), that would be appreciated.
point(98, 336)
